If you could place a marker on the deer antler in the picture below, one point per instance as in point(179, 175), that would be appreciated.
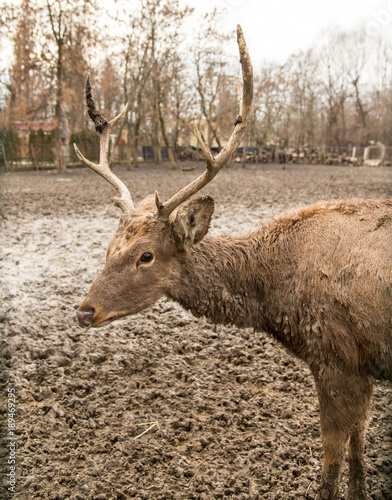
point(214, 165)
point(103, 127)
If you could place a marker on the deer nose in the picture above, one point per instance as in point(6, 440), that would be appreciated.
point(85, 318)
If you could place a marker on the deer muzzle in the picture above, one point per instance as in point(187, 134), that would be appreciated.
point(85, 318)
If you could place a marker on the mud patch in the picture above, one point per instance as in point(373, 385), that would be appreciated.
point(229, 413)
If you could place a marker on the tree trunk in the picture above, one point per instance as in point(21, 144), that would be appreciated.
point(155, 140)
point(135, 160)
point(6, 166)
point(243, 158)
point(59, 151)
point(157, 154)
point(209, 123)
point(166, 139)
point(59, 137)
point(129, 153)
point(135, 142)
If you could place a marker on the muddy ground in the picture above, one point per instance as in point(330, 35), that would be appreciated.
point(228, 413)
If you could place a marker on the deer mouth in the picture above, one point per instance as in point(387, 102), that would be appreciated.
point(90, 318)
point(98, 324)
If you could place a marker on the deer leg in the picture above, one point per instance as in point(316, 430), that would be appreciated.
point(356, 481)
point(334, 447)
point(344, 404)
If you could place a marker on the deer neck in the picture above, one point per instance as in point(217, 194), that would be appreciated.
point(241, 281)
point(220, 279)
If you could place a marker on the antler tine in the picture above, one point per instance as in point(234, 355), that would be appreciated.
point(103, 127)
point(214, 165)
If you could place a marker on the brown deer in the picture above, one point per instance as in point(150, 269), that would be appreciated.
point(319, 281)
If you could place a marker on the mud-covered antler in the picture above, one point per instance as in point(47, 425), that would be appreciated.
point(103, 127)
point(214, 165)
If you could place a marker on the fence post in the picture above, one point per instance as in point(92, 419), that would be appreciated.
point(33, 155)
point(5, 158)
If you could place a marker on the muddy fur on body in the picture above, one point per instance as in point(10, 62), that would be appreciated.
point(311, 280)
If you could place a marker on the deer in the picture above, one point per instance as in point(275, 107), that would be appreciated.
point(319, 280)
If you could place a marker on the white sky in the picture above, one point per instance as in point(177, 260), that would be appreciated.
point(274, 29)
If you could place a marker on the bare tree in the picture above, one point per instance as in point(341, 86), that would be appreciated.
point(181, 101)
point(380, 117)
point(335, 89)
point(301, 72)
point(165, 20)
point(50, 39)
point(27, 100)
point(150, 45)
point(66, 34)
point(211, 74)
point(270, 108)
point(355, 53)
point(134, 59)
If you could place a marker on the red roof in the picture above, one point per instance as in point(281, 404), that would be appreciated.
point(46, 127)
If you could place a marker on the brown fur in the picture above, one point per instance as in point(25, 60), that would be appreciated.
point(319, 280)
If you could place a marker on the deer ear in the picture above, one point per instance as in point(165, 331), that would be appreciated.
point(192, 221)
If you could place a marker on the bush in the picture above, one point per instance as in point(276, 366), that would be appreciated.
point(43, 145)
point(88, 142)
point(9, 144)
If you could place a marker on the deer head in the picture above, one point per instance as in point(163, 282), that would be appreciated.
point(152, 238)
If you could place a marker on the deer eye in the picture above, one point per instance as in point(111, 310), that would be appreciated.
point(146, 257)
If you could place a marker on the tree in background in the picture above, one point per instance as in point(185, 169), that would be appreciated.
point(334, 90)
point(271, 115)
point(180, 101)
point(164, 22)
point(147, 51)
point(212, 78)
point(131, 54)
point(304, 98)
point(68, 35)
point(27, 101)
point(379, 116)
point(51, 39)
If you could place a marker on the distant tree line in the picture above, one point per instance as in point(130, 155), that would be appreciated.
point(146, 53)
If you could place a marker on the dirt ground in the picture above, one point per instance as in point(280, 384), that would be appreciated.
point(228, 413)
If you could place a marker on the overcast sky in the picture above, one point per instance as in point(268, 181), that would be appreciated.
point(276, 28)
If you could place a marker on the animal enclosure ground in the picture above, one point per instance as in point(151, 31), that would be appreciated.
point(229, 413)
